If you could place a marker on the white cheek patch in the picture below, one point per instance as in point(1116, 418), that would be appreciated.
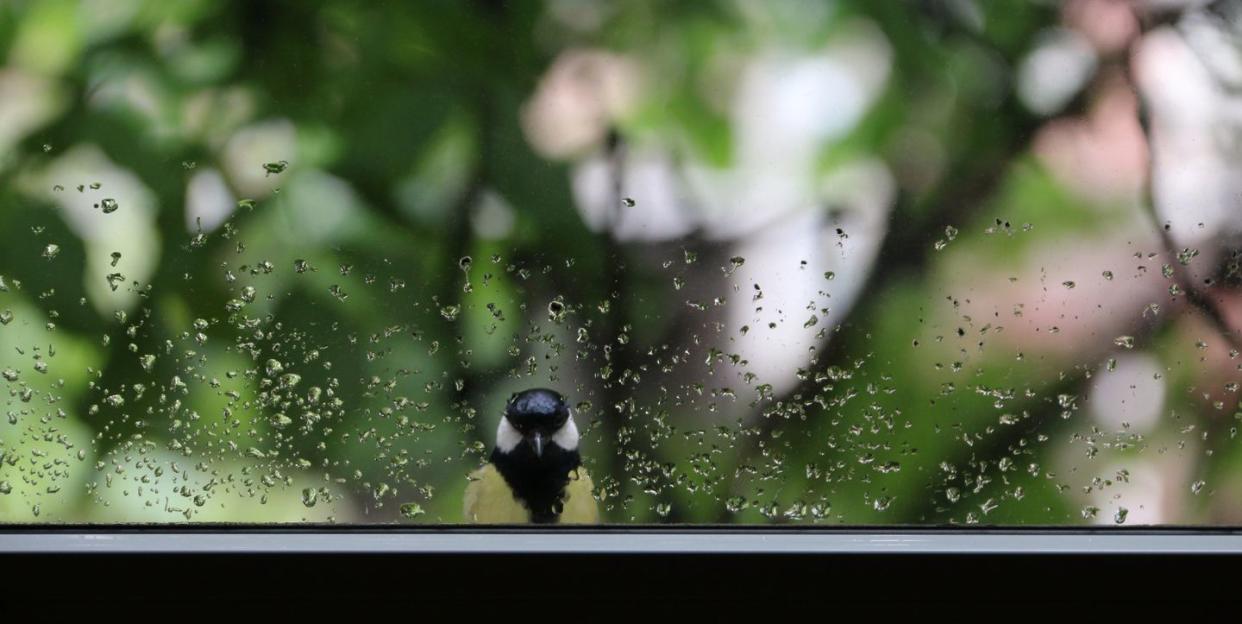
point(567, 436)
point(507, 437)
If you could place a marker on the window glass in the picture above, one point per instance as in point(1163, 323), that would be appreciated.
point(850, 262)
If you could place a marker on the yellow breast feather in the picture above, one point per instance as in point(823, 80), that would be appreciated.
point(490, 500)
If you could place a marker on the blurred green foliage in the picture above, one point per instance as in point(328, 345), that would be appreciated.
point(398, 120)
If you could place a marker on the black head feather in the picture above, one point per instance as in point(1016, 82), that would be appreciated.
point(537, 409)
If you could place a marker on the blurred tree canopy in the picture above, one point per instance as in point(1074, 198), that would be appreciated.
point(346, 231)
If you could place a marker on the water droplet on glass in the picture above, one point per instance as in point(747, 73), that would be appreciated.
point(275, 167)
point(556, 310)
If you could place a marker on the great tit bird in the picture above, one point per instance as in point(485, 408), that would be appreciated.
point(535, 473)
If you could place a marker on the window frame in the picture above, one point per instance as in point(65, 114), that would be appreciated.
point(312, 567)
point(638, 540)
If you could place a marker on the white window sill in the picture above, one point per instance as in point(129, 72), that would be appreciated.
point(36, 539)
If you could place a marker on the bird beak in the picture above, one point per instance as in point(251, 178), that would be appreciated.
point(536, 442)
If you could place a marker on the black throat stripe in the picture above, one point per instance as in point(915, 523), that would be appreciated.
point(539, 482)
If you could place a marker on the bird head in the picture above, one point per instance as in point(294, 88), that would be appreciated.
point(537, 419)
